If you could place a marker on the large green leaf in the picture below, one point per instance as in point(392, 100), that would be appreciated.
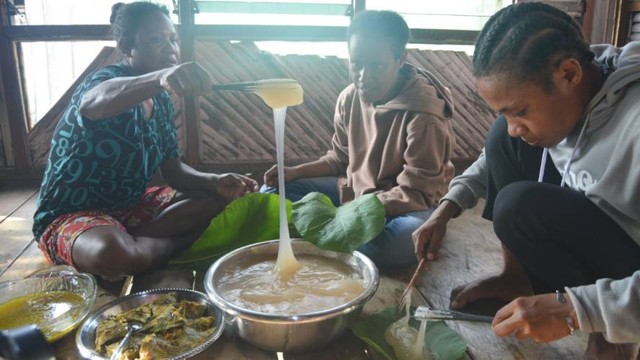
point(250, 219)
point(443, 342)
point(343, 228)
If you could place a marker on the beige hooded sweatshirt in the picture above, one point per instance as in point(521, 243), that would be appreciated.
point(400, 150)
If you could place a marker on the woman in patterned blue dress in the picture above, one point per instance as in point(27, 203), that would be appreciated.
point(96, 211)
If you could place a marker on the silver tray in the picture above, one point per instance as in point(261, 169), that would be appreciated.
point(85, 336)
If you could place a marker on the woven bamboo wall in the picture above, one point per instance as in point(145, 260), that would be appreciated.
point(237, 129)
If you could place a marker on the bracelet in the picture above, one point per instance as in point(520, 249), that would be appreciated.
point(561, 299)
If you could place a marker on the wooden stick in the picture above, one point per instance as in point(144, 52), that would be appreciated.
point(412, 282)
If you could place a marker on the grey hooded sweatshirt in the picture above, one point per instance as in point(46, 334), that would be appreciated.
point(600, 158)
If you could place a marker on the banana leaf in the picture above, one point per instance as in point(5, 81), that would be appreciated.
point(443, 342)
point(250, 219)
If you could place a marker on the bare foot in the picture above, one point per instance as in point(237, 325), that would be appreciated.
point(499, 287)
point(598, 348)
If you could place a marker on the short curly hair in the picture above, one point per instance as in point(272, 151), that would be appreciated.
point(126, 19)
point(383, 24)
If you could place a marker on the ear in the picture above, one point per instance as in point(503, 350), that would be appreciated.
point(569, 73)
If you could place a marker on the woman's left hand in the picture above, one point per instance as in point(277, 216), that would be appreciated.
point(232, 186)
point(540, 317)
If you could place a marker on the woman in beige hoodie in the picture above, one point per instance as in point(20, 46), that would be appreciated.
point(393, 137)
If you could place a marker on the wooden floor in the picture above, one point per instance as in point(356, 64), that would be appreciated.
point(471, 250)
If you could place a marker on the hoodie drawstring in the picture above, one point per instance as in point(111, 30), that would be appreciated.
point(543, 161)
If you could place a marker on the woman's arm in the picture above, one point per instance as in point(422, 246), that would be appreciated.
point(115, 96)
point(183, 177)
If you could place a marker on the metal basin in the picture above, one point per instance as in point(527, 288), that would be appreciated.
point(289, 333)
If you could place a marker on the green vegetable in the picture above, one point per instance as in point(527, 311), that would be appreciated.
point(343, 228)
point(250, 219)
point(256, 217)
point(444, 343)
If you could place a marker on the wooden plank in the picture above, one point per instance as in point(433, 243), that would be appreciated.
point(15, 230)
point(9, 65)
point(12, 197)
point(470, 251)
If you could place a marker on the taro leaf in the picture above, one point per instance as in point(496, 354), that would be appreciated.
point(250, 219)
point(342, 229)
point(443, 342)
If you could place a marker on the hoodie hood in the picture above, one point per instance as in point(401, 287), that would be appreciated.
point(422, 92)
point(622, 68)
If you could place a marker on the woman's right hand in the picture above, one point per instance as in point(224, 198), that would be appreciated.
point(186, 79)
point(271, 176)
point(427, 239)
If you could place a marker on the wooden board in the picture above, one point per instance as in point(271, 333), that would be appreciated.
point(470, 251)
point(16, 219)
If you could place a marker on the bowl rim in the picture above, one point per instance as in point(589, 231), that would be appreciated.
point(340, 310)
point(87, 325)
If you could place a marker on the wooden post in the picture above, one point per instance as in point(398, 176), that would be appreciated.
point(186, 12)
point(358, 6)
point(12, 89)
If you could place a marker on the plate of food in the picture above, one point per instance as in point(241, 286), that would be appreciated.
point(174, 324)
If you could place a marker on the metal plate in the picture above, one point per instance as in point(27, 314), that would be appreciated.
point(85, 337)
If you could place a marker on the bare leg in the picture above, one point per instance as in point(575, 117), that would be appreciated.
point(598, 348)
point(508, 285)
point(187, 213)
point(111, 252)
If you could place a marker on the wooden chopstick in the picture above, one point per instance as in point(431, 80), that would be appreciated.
point(412, 282)
point(126, 287)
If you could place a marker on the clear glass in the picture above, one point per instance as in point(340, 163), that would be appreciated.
point(270, 12)
point(446, 15)
point(63, 63)
point(72, 12)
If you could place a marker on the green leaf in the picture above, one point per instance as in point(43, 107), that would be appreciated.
point(443, 342)
point(343, 228)
point(250, 219)
point(371, 330)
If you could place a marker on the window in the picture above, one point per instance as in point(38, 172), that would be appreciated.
point(270, 12)
point(66, 60)
point(70, 12)
point(451, 14)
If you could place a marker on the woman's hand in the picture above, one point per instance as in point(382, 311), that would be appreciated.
point(232, 186)
point(186, 79)
point(540, 317)
point(427, 239)
point(271, 175)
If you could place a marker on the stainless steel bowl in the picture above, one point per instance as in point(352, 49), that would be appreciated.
point(85, 337)
point(289, 333)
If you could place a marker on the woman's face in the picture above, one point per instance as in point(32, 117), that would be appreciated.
point(373, 67)
point(537, 117)
point(156, 44)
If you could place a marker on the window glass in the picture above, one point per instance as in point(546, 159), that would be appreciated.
point(71, 12)
point(450, 14)
point(47, 81)
point(270, 12)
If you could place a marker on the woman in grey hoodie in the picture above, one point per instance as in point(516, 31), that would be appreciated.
point(560, 174)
